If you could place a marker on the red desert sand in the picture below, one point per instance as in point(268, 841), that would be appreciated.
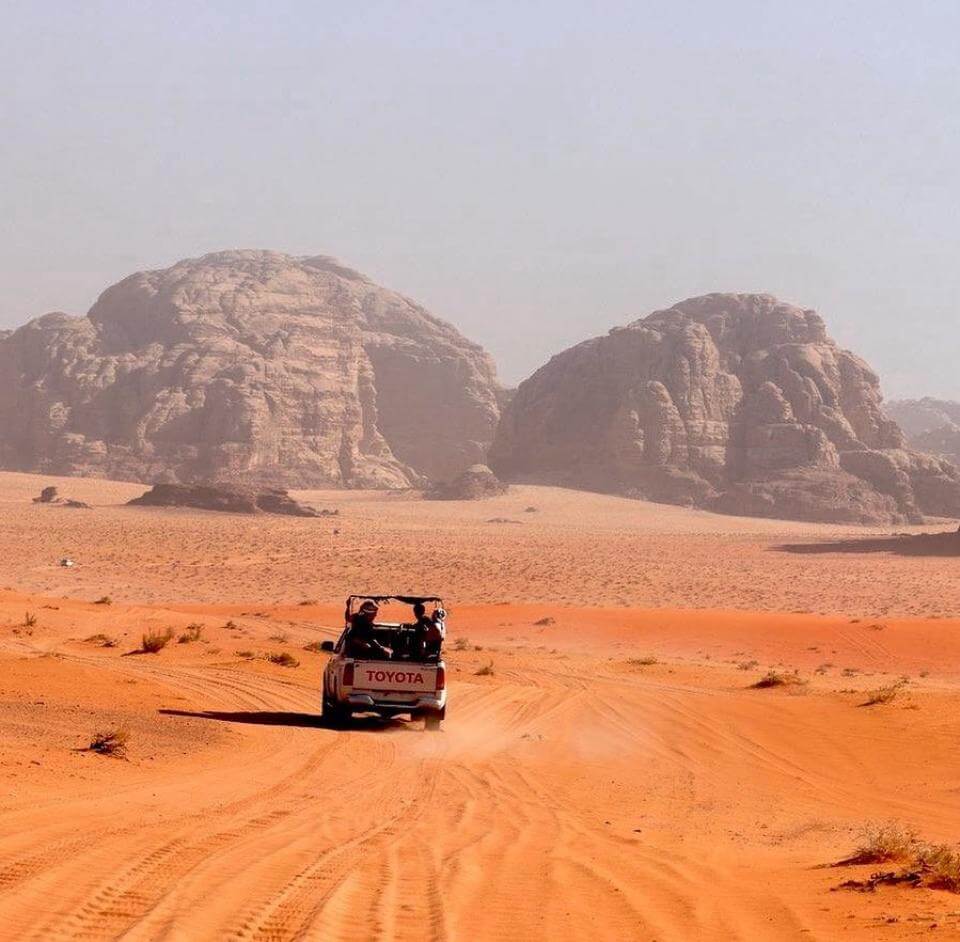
point(607, 770)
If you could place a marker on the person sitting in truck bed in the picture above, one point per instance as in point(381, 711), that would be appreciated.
point(427, 632)
point(361, 639)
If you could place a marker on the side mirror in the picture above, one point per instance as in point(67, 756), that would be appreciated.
point(326, 646)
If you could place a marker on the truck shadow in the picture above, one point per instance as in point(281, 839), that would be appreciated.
point(362, 724)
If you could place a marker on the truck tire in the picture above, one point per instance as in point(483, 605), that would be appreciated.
point(432, 721)
point(333, 715)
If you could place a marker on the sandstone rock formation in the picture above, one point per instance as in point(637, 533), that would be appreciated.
point(476, 483)
point(931, 425)
point(739, 403)
point(226, 498)
point(250, 366)
point(50, 495)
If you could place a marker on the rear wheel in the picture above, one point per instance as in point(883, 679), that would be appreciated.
point(432, 721)
point(333, 714)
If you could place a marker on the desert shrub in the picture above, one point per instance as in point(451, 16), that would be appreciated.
point(882, 843)
point(461, 644)
point(155, 641)
point(308, 602)
point(193, 632)
point(112, 742)
point(231, 624)
point(485, 671)
point(940, 866)
point(779, 679)
point(29, 620)
point(281, 637)
point(642, 661)
point(105, 641)
point(545, 621)
point(932, 865)
point(283, 658)
point(246, 655)
point(884, 694)
point(314, 647)
point(748, 665)
point(104, 600)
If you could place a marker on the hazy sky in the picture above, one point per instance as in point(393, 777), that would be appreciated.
point(533, 172)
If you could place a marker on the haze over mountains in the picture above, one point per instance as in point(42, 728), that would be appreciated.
point(931, 425)
point(290, 371)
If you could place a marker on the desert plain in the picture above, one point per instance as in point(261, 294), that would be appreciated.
point(607, 770)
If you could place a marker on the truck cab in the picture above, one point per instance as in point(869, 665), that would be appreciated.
point(397, 668)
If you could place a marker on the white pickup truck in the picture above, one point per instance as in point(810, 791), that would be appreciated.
point(394, 671)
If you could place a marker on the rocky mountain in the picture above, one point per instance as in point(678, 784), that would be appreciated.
point(735, 402)
point(931, 425)
point(247, 365)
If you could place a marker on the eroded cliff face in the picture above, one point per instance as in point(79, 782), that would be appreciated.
point(738, 403)
point(247, 365)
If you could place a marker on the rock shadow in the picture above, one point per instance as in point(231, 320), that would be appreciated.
point(904, 544)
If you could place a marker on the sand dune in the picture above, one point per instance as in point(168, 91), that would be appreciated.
point(615, 777)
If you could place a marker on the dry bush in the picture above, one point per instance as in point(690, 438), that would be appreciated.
point(884, 694)
point(231, 624)
point(112, 742)
point(748, 665)
point(485, 671)
point(779, 679)
point(643, 661)
point(281, 637)
point(105, 641)
point(283, 658)
point(309, 602)
point(881, 843)
point(155, 641)
point(246, 655)
point(461, 644)
point(314, 647)
point(29, 620)
point(939, 865)
point(193, 632)
point(544, 622)
point(104, 600)
point(936, 866)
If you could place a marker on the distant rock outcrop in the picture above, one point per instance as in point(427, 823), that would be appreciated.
point(249, 366)
point(476, 483)
point(227, 498)
point(931, 425)
point(738, 403)
point(50, 495)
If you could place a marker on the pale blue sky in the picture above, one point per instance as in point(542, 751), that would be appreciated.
point(533, 172)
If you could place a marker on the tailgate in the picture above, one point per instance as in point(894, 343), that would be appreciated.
point(383, 676)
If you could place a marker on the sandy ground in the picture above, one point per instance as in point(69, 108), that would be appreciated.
point(613, 776)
